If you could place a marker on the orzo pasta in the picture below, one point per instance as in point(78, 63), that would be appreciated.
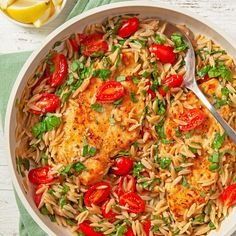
point(113, 144)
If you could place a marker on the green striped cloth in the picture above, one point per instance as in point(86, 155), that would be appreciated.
point(10, 65)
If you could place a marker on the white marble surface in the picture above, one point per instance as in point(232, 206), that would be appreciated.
point(14, 38)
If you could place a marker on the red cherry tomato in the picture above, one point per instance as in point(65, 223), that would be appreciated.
point(40, 175)
point(37, 197)
point(162, 91)
point(88, 230)
point(128, 27)
point(126, 184)
point(147, 227)
point(129, 232)
point(193, 117)
point(122, 166)
point(164, 53)
point(109, 214)
point(110, 91)
point(228, 196)
point(76, 43)
point(92, 44)
point(58, 71)
point(173, 81)
point(152, 92)
point(134, 202)
point(97, 193)
point(47, 103)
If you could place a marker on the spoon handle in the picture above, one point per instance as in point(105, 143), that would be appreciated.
point(218, 117)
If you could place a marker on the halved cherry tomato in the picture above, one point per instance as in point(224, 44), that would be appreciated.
point(150, 91)
point(129, 232)
point(92, 44)
point(122, 166)
point(193, 117)
point(37, 197)
point(48, 102)
point(126, 184)
point(164, 53)
point(110, 91)
point(134, 202)
point(128, 27)
point(228, 196)
point(109, 214)
point(88, 230)
point(173, 81)
point(59, 69)
point(76, 43)
point(147, 227)
point(97, 193)
point(40, 175)
point(162, 91)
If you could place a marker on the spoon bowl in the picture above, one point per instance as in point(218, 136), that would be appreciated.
point(190, 78)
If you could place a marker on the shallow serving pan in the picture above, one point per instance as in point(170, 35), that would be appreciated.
point(145, 9)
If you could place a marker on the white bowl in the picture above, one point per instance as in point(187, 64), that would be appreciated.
point(144, 8)
point(52, 18)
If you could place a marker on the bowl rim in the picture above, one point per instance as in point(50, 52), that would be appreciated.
point(30, 25)
point(53, 34)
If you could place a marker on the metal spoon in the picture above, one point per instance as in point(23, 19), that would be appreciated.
point(190, 79)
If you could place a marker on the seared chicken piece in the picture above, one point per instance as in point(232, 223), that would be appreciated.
point(181, 198)
point(108, 131)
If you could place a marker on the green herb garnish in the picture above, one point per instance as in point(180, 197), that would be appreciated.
point(97, 107)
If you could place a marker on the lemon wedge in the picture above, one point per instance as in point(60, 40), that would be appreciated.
point(45, 17)
point(5, 3)
point(28, 11)
point(57, 2)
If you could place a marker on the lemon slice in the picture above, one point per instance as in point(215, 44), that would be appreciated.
point(27, 11)
point(45, 17)
point(5, 3)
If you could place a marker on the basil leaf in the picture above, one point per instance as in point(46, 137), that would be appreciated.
point(138, 167)
point(145, 74)
point(47, 124)
point(180, 44)
point(65, 189)
point(218, 141)
point(161, 109)
point(120, 78)
point(203, 71)
point(62, 201)
point(159, 40)
point(185, 182)
point(165, 162)
point(193, 150)
point(124, 153)
point(178, 132)
point(214, 167)
point(222, 71)
point(214, 158)
point(122, 230)
point(133, 98)
point(225, 91)
point(117, 102)
point(92, 151)
point(75, 65)
point(135, 80)
point(103, 74)
point(160, 129)
point(78, 166)
point(97, 107)
point(211, 225)
point(44, 210)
